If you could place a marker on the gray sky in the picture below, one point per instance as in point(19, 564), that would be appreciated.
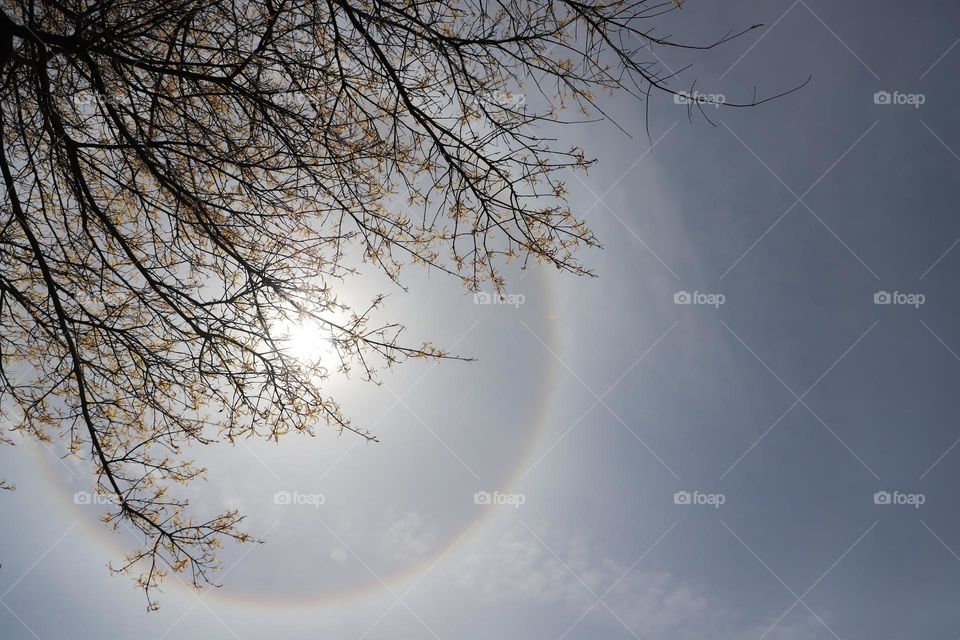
point(596, 401)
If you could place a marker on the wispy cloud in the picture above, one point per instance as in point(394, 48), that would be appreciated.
point(513, 565)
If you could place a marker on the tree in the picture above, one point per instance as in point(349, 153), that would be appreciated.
point(183, 177)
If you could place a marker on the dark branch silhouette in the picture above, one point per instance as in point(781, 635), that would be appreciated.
point(183, 177)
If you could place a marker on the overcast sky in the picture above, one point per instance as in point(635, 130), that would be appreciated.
point(774, 459)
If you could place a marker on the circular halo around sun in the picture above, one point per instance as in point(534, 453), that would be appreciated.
point(356, 539)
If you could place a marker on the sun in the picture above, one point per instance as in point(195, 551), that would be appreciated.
point(306, 340)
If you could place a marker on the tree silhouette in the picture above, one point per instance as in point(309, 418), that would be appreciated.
point(183, 177)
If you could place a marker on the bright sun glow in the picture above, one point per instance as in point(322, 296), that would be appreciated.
point(307, 341)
